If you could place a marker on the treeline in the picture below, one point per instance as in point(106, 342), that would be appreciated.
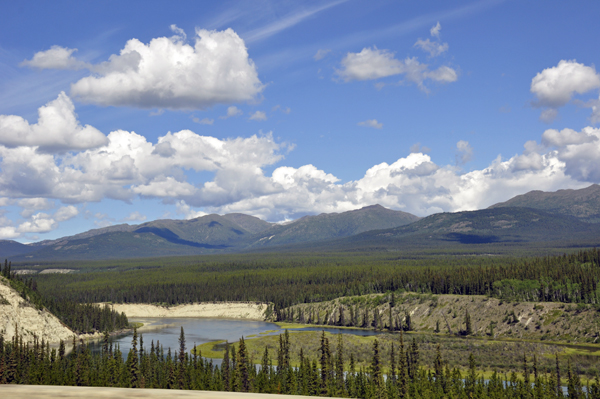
point(330, 372)
point(81, 318)
point(568, 278)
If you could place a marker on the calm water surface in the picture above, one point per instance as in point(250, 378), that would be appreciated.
point(198, 331)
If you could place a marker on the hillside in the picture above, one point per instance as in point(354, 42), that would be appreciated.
point(334, 225)
point(208, 234)
point(528, 320)
point(498, 226)
point(18, 315)
point(583, 204)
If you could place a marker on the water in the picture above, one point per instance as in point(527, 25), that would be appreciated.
point(202, 330)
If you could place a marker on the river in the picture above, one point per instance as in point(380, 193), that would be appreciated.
point(202, 330)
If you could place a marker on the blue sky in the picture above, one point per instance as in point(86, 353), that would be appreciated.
point(123, 112)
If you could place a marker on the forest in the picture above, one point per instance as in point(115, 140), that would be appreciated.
point(330, 371)
point(81, 318)
point(289, 280)
point(292, 280)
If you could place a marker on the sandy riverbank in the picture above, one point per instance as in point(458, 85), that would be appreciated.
point(228, 310)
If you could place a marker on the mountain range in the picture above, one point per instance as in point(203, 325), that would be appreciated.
point(568, 217)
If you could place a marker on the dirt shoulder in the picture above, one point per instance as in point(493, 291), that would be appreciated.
point(44, 391)
point(229, 310)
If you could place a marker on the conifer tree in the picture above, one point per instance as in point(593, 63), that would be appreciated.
point(468, 328)
point(242, 367)
point(225, 373)
point(181, 363)
point(132, 362)
point(325, 360)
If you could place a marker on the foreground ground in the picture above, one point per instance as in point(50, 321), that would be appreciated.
point(44, 391)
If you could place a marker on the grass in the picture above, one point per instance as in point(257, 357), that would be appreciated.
point(503, 355)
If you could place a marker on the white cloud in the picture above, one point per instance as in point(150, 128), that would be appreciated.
point(433, 48)
point(165, 73)
point(203, 121)
point(595, 106)
point(548, 115)
point(8, 232)
point(57, 129)
point(39, 223)
point(128, 166)
point(65, 213)
point(135, 217)
point(372, 63)
point(464, 152)
point(435, 30)
point(55, 58)
point(231, 112)
point(32, 205)
point(554, 87)
point(187, 211)
point(371, 123)
point(321, 53)
point(258, 116)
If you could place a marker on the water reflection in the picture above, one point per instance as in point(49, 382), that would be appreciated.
point(202, 330)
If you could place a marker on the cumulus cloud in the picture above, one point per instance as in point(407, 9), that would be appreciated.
point(554, 87)
point(129, 166)
point(164, 73)
point(321, 53)
point(65, 213)
point(135, 217)
point(39, 223)
point(55, 58)
point(231, 112)
point(372, 63)
point(434, 48)
point(464, 152)
point(371, 123)
point(57, 129)
point(258, 116)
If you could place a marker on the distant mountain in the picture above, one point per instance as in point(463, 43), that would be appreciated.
point(208, 235)
point(583, 204)
point(334, 225)
point(9, 248)
point(503, 226)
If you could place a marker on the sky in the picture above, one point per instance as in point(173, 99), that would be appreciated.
point(124, 112)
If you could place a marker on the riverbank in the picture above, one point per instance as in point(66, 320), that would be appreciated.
point(226, 310)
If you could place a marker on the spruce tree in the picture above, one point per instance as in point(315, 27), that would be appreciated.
point(181, 362)
point(468, 328)
point(225, 371)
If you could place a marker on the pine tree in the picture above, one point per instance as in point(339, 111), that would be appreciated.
point(468, 328)
point(402, 368)
point(325, 360)
point(339, 366)
point(225, 373)
point(132, 362)
point(181, 363)
point(242, 367)
point(376, 374)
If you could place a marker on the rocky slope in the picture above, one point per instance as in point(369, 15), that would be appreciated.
point(584, 204)
point(551, 321)
point(19, 316)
